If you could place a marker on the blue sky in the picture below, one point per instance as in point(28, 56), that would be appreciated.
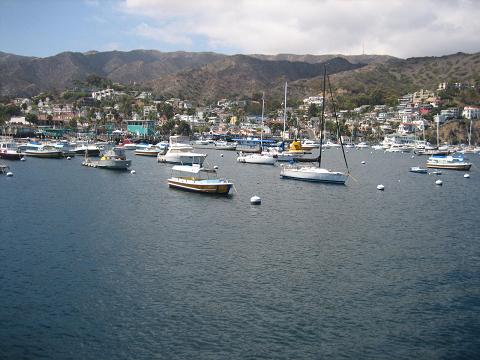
point(400, 28)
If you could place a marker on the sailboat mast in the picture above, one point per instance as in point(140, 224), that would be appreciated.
point(285, 111)
point(470, 134)
point(322, 118)
point(261, 130)
point(438, 125)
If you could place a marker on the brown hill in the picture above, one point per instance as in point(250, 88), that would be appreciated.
point(241, 76)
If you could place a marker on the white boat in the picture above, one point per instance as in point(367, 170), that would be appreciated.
point(313, 173)
point(127, 144)
point(147, 150)
point(204, 143)
point(254, 158)
point(90, 149)
point(398, 148)
point(316, 173)
point(197, 179)
point(114, 159)
point(43, 151)
point(181, 152)
point(448, 162)
point(377, 147)
point(225, 145)
point(418, 170)
point(9, 150)
point(310, 144)
point(362, 145)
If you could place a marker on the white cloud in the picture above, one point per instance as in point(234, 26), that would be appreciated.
point(397, 27)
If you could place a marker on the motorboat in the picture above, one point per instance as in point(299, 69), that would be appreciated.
point(9, 150)
point(114, 159)
point(225, 145)
point(198, 179)
point(448, 162)
point(147, 150)
point(418, 170)
point(255, 158)
point(43, 151)
point(362, 145)
point(310, 144)
point(398, 148)
point(313, 173)
point(181, 152)
point(128, 144)
point(204, 143)
point(90, 149)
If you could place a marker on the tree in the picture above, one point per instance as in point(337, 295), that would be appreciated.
point(183, 128)
point(165, 109)
point(31, 118)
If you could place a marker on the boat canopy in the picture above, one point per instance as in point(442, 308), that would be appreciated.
point(194, 169)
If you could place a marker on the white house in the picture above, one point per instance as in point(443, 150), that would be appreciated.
point(471, 112)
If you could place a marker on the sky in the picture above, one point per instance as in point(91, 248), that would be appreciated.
point(401, 28)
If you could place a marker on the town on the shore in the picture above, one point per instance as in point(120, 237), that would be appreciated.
point(107, 109)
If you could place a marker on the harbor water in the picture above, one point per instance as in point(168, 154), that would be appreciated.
point(98, 264)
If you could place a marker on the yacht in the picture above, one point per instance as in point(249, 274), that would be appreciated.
point(90, 149)
point(225, 145)
point(114, 159)
point(147, 150)
point(43, 151)
point(9, 150)
point(448, 162)
point(312, 173)
point(198, 179)
point(181, 152)
point(255, 158)
point(310, 144)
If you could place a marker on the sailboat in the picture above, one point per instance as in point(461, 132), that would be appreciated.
point(317, 173)
point(258, 158)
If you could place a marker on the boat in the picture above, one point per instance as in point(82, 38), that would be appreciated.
point(448, 162)
point(90, 149)
point(317, 173)
point(198, 179)
point(255, 158)
point(43, 151)
point(225, 145)
point(114, 159)
point(310, 144)
point(418, 170)
point(204, 143)
point(362, 145)
point(294, 151)
point(147, 150)
point(127, 144)
point(9, 150)
point(181, 152)
point(262, 158)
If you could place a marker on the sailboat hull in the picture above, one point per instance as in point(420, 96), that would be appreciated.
point(314, 174)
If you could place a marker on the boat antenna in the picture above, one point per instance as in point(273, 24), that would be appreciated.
point(323, 115)
point(337, 122)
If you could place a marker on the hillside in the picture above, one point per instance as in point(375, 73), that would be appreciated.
point(28, 75)
point(208, 76)
point(242, 76)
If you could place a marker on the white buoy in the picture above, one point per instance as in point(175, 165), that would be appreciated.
point(363, 162)
point(22, 158)
point(439, 182)
point(221, 155)
point(133, 172)
point(69, 158)
point(255, 200)
point(9, 173)
point(380, 187)
point(215, 167)
point(413, 156)
point(466, 176)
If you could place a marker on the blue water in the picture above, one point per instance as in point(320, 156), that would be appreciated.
point(97, 264)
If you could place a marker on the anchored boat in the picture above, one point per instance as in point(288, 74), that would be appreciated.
point(198, 179)
point(448, 162)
